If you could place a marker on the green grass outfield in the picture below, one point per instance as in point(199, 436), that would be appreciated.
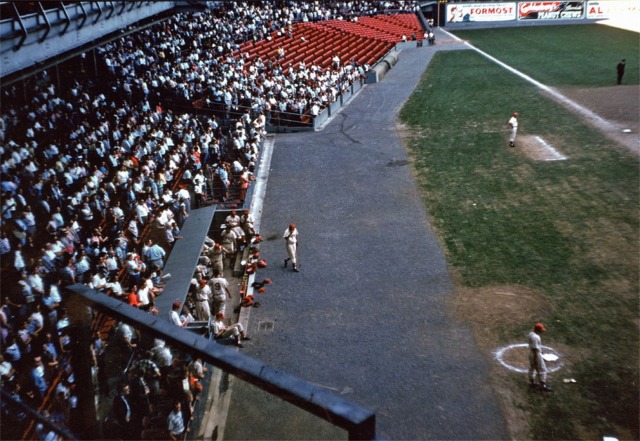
point(563, 56)
point(566, 229)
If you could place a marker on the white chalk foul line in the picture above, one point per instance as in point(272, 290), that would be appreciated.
point(499, 354)
point(555, 155)
point(560, 97)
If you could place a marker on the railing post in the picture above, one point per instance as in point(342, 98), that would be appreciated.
point(86, 423)
point(366, 430)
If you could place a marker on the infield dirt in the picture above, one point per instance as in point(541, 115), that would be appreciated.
point(618, 104)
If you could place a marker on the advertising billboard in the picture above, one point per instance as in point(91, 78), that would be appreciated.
point(550, 10)
point(612, 9)
point(541, 10)
point(479, 12)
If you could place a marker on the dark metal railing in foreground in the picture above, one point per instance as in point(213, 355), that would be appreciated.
point(28, 412)
point(357, 421)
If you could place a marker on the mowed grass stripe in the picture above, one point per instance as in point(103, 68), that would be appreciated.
point(563, 56)
point(567, 229)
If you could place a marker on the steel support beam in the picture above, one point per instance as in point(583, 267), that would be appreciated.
point(99, 8)
point(84, 15)
point(23, 28)
point(67, 19)
point(111, 7)
point(46, 22)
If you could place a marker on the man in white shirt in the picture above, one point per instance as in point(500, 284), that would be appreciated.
point(98, 281)
point(142, 212)
point(174, 316)
point(175, 422)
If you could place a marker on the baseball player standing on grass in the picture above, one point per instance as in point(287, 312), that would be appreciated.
point(291, 241)
point(513, 125)
point(536, 362)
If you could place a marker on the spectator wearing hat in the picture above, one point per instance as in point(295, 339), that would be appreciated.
point(537, 366)
point(291, 241)
point(220, 330)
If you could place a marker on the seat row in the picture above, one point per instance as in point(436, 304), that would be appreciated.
point(390, 27)
point(408, 21)
point(365, 41)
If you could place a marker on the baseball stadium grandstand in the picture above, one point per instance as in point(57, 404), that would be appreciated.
point(132, 135)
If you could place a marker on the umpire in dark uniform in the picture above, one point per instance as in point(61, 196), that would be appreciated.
point(620, 69)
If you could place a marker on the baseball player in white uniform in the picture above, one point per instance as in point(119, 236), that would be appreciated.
point(216, 255)
point(246, 222)
point(220, 330)
point(202, 296)
point(228, 243)
point(220, 290)
point(537, 367)
point(513, 126)
point(291, 240)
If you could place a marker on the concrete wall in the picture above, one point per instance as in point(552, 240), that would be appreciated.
point(343, 100)
point(377, 72)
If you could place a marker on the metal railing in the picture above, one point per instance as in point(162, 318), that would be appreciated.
point(356, 420)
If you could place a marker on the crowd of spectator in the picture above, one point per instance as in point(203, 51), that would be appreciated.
point(98, 178)
point(197, 58)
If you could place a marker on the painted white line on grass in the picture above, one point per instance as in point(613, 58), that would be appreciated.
point(555, 155)
point(560, 97)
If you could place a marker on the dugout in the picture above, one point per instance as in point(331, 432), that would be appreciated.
point(183, 259)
